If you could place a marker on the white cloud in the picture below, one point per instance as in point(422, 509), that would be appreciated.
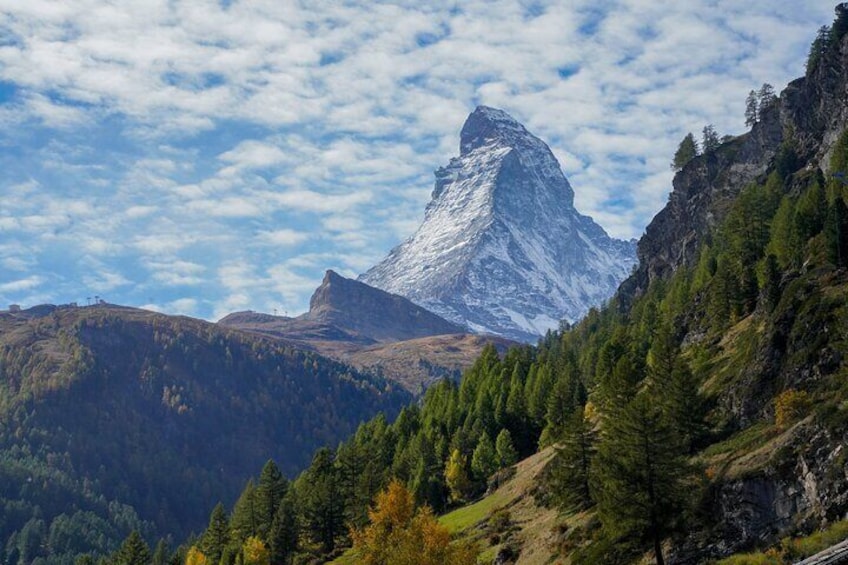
point(245, 148)
point(19, 285)
point(282, 237)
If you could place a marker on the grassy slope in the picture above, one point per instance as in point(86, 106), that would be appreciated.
point(531, 525)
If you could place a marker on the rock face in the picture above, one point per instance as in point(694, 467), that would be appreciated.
point(501, 248)
point(374, 313)
point(804, 123)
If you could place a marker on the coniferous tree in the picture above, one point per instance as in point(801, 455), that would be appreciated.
point(710, 140)
point(134, 551)
point(686, 151)
point(571, 466)
point(270, 490)
point(638, 474)
point(836, 232)
point(456, 476)
point(484, 460)
point(507, 455)
point(683, 405)
point(217, 534)
point(245, 520)
point(283, 537)
point(160, 554)
point(322, 506)
point(818, 48)
point(771, 282)
point(766, 98)
point(752, 109)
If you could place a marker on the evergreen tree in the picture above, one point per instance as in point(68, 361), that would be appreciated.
point(836, 232)
point(818, 48)
point(270, 490)
point(686, 151)
point(427, 485)
point(322, 506)
point(507, 455)
point(638, 474)
point(766, 98)
point(134, 551)
point(710, 141)
point(683, 405)
point(570, 468)
point(245, 520)
point(771, 282)
point(484, 460)
point(752, 109)
point(160, 554)
point(217, 534)
point(283, 536)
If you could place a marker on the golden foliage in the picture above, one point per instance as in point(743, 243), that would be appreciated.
point(400, 535)
point(196, 557)
point(790, 406)
point(456, 476)
point(255, 552)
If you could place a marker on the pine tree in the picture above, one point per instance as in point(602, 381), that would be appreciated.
point(771, 281)
point(507, 455)
point(570, 468)
point(766, 98)
point(638, 474)
point(818, 48)
point(836, 232)
point(710, 141)
point(283, 537)
point(484, 460)
point(245, 520)
point(270, 490)
point(322, 506)
point(683, 406)
point(160, 554)
point(217, 534)
point(752, 109)
point(686, 151)
point(134, 551)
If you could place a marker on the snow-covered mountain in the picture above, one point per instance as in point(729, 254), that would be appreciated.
point(502, 249)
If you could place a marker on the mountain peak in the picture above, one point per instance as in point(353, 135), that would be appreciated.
point(502, 249)
point(373, 313)
point(486, 124)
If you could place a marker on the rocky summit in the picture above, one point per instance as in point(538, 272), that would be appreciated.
point(502, 249)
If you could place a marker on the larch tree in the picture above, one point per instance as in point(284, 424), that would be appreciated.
point(686, 151)
point(638, 474)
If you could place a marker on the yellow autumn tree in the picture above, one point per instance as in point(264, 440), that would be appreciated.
point(401, 535)
point(196, 557)
point(791, 406)
point(255, 552)
point(456, 476)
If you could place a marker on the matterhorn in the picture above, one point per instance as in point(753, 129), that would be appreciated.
point(502, 249)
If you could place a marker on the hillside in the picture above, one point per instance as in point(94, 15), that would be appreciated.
point(116, 419)
point(374, 331)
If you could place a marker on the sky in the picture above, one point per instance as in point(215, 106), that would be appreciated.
point(202, 157)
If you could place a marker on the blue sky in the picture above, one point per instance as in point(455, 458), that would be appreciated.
point(202, 157)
